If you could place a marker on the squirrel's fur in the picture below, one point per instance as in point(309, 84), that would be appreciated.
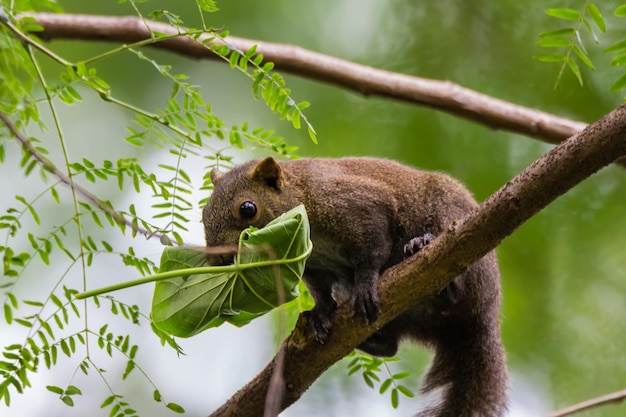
point(362, 212)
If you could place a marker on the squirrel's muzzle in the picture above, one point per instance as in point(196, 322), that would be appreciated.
point(221, 255)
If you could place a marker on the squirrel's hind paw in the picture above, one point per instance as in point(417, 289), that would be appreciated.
point(416, 244)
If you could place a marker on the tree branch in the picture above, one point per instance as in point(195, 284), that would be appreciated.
point(439, 262)
point(441, 95)
point(612, 398)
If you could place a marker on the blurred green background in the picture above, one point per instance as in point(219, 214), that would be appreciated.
point(563, 272)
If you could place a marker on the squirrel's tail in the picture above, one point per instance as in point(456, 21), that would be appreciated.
point(471, 374)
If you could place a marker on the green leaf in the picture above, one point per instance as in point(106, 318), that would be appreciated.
point(385, 385)
point(55, 195)
point(619, 60)
point(32, 27)
point(256, 84)
point(583, 57)
point(73, 390)
point(175, 408)
point(553, 43)
point(81, 69)
point(394, 398)
point(107, 246)
point(620, 11)
point(562, 13)
point(68, 400)
point(558, 33)
point(56, 300)
point(4, 393)
point(295, 119)
point(66, 348)
point(234, 58)
point(251, 51)
point(54, 389)
point(7, 366)
point(619, 84)
point(595, 14)
point(108, 401)
point(130, 365)
point(12, 298)
point(406, 391)
point(368, 380)
point(258, 60)
point(619, 46)
point(29, 207)
point(267, 269)
point(312, 134)
point(71, 92)
point(207, 5)
point(575, 69)
point(401, 375)
point(8, 313)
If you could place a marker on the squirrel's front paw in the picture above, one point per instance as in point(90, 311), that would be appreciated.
point(365, 302)
point(319, 323)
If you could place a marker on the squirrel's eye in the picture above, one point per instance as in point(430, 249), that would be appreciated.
point(247, 210)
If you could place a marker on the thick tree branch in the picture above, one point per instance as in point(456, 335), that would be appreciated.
point(438, 263)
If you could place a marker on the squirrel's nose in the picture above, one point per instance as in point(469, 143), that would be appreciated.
point(221, 259)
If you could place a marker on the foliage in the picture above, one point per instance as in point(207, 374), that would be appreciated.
point(37, 82)
point(370, 368)
point(191, 296)
point(569, 41)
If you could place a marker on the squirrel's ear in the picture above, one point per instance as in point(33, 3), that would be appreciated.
point(270, 172)
point(216, 174)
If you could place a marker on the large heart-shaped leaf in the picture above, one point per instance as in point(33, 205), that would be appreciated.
point(269, 263)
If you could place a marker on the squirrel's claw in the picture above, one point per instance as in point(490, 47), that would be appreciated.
point(365, 302)
point(319, 324)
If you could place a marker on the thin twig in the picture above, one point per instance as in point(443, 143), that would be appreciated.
point(49, 166)
point(612, 398)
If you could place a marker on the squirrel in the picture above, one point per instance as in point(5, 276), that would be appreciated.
point(367, 214)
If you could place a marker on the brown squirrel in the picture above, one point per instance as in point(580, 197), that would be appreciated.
point(364, 214)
